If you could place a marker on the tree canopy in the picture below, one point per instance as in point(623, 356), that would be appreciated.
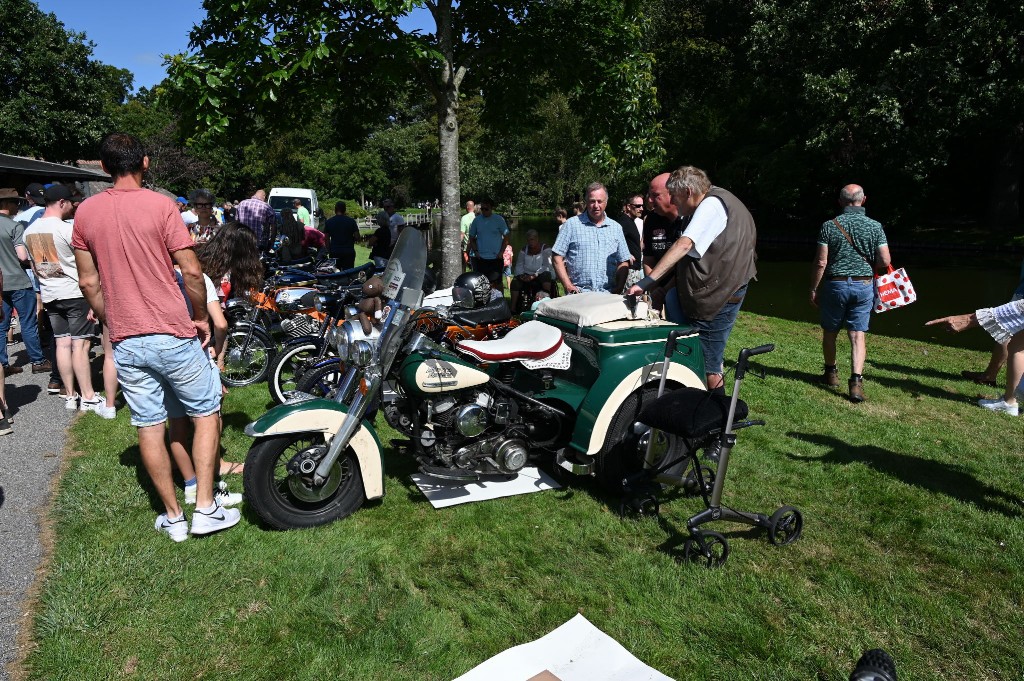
point(55, 99)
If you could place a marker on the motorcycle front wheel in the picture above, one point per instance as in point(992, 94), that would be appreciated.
point(323, 380)
point(287, 368)
point(286, 501)
point(247, 357)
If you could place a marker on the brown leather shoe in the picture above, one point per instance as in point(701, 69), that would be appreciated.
point(830, 378)
point(11, 370)
point(43, 367)
point(856, 390)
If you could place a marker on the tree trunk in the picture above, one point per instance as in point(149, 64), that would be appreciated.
point(1008, 164)
point(451, 235)
point(448, 138)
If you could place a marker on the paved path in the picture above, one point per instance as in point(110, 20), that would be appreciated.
point(28, 460)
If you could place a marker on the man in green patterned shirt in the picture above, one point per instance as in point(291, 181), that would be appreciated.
point(850, 248)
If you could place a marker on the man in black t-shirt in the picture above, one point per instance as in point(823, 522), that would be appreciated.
point(342, 233)
point(380, 246)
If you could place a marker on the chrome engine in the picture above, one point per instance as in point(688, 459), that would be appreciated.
point(298, 325)
point(476, 431)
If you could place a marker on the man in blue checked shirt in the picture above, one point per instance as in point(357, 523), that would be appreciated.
point(590, 253)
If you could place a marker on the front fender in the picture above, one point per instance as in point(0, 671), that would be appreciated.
point(598, 409)
point(302, 340)
point(325, 416)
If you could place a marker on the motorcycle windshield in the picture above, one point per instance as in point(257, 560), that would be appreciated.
point(403, 277)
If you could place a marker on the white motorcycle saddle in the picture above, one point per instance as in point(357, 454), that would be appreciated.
point(530, 341)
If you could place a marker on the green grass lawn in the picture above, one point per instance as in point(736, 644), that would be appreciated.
point(912, 542)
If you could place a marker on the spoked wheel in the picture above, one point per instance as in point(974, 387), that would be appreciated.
point(247, 357)
point(645, 506)
point(322, 381)
point(285, 497)
point(287, 368)
point(786, 525)
point(707, 547)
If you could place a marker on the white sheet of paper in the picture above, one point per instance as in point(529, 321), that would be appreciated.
point(575, 651)
point(444, 493)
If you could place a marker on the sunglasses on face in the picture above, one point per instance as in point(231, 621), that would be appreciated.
point(637, 205)
point(204, 205)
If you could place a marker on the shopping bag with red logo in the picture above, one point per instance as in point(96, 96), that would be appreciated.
point(893, 289)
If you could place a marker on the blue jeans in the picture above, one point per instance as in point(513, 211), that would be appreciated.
point(24, 301)
point(713, 332)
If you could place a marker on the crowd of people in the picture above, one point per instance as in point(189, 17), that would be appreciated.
point(148, 274)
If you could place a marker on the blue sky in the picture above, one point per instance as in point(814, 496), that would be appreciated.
point(134, 34)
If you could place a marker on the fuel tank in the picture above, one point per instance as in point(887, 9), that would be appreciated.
point(428, 376)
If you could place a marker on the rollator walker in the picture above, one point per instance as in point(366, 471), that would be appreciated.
point(704, 421)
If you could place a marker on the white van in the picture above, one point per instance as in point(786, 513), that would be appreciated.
point(282, 197)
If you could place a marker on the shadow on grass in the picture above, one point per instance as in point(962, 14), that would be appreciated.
point(235, 419)
point(132, 458)
point(934, 476)
point(813, 380)
point(920, 371)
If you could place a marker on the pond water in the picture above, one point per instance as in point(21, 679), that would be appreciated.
point(947, 282)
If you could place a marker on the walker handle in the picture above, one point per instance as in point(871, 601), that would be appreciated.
point(746, 353)
point(670, 344)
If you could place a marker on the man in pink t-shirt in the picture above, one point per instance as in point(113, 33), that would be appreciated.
point(127, 240)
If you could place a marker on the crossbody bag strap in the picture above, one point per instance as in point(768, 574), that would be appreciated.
point(853, 245)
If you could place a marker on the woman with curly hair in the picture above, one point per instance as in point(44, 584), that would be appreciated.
point(293, 234)
point(233, 251)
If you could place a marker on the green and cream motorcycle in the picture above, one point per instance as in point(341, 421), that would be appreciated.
point(563, 389)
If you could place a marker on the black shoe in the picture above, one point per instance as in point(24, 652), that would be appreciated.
point(713, 451)
point(5, 424)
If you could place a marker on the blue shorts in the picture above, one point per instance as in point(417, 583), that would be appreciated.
point(166, 377)
point(847, 301)
point(713, 332)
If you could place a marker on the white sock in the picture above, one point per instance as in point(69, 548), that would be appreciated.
point(208, 510)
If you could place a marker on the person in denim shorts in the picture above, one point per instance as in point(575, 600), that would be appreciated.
point(850, 248)
point(132, 238)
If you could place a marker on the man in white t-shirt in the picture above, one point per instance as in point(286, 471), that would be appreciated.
point(48, 240)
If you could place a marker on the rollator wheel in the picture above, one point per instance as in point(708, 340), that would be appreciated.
point(646, 506)
point(786, 525)
point(708, 547)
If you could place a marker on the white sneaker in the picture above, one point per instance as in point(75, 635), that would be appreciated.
point(999, 405)
point(176, 529)
point(215, 520)
point(106, 412)
point(222, 496)
point(93, 405)
point(71, 403)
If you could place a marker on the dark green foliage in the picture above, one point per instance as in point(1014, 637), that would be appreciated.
point(55, 99)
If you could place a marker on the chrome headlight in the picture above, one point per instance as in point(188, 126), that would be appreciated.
point(341, 343)
point(318, 302)
point(360, 353)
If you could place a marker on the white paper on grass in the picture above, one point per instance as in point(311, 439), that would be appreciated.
point(443, 493)
point(575, 651)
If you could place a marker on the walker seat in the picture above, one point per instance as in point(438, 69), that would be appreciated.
point(691, 413)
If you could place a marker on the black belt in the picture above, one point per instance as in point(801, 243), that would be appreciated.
point(867, 278)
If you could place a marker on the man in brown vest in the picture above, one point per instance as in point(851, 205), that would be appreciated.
point(713, 260)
